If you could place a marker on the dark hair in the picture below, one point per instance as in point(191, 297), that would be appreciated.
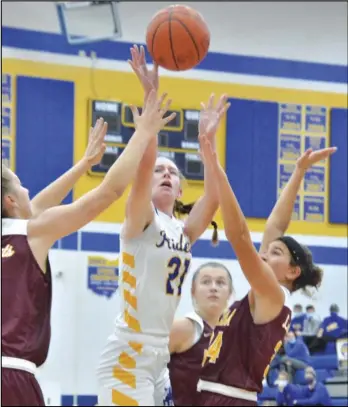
point(6, 181)
point(311, 275)
point(310, 308)
point(298, 306)
point(184, 209)
point(334, 308)
point(214, 265)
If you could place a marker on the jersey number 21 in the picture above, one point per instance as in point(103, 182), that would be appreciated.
point(179, 270)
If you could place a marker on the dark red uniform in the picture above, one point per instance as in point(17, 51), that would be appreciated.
point(185, 369)
point(240, 352)
point(25, 314)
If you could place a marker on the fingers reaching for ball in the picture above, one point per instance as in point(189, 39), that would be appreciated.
point(147, 77)
point(152, 118)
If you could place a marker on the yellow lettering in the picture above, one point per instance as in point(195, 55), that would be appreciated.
point(7, 251)
point(225, 320)
point(286, 326)
point(276, 350)
point(213, 352)
point(331, 327)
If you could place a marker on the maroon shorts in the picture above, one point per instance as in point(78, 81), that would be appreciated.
point(207, 398)
point(20, 388)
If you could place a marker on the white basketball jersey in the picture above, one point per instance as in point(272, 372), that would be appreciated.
point(153, 268)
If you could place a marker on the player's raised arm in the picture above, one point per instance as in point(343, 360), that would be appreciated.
point(139, 209)
point(260, 276)
point(54, 193)
point(60, 221)
point(280, 217)
point(204, 209)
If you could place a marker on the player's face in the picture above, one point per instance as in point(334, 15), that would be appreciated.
point(17, 201)
point(212, 289)
point(309, 375)
point(166, 181)
point(279, 258)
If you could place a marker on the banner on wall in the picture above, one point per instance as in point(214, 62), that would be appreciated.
point(102, 276)
point(6, 120)
point(302, 127)
point(342, 349)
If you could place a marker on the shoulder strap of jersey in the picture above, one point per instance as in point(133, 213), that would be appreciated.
point(149, 233)
point(199, 325)
point(287, 297)
point(14, 227)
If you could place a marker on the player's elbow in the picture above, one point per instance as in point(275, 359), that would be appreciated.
point(109, 192)
point(103, 198)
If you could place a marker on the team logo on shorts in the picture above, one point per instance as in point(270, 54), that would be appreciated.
point(168, 397)
point(102, 276)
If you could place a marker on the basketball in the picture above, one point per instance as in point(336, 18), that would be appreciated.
point(178, 38)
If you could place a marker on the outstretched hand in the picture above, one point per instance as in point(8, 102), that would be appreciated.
point(148, 78)
point(96, 146)
point(152, 118)
point(210, 117)
point(310, 157)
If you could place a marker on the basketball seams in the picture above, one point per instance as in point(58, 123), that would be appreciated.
point(171, 39)
point(154, 34)
point(190, 35)
point(183, 44)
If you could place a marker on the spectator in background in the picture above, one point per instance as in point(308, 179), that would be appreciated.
point(282, 397)
point(333, 326)
point(296, 355)
point(311, 322)
point(298, 318)
point(312, 394)
point(331, 329)
point(287, 392)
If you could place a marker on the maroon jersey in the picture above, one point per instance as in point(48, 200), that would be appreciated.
point(185, 368)
point(241, 351)
point(26, 297)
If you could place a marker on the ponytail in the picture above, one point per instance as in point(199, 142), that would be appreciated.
point(184, 209)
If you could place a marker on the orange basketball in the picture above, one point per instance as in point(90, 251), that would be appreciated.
point(178, 38)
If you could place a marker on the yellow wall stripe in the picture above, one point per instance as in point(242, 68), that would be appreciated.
point(120, 399)
point(122, 86)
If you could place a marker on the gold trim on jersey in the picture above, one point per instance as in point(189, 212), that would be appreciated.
point(121, 399)
point(129, 298)
point(137, 347)
point(128, 278)
point(127, 361)
point(124, 372)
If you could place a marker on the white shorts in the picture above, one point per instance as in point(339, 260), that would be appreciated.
point(133, 373)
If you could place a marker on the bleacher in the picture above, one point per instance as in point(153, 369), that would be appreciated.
point(329, 369)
